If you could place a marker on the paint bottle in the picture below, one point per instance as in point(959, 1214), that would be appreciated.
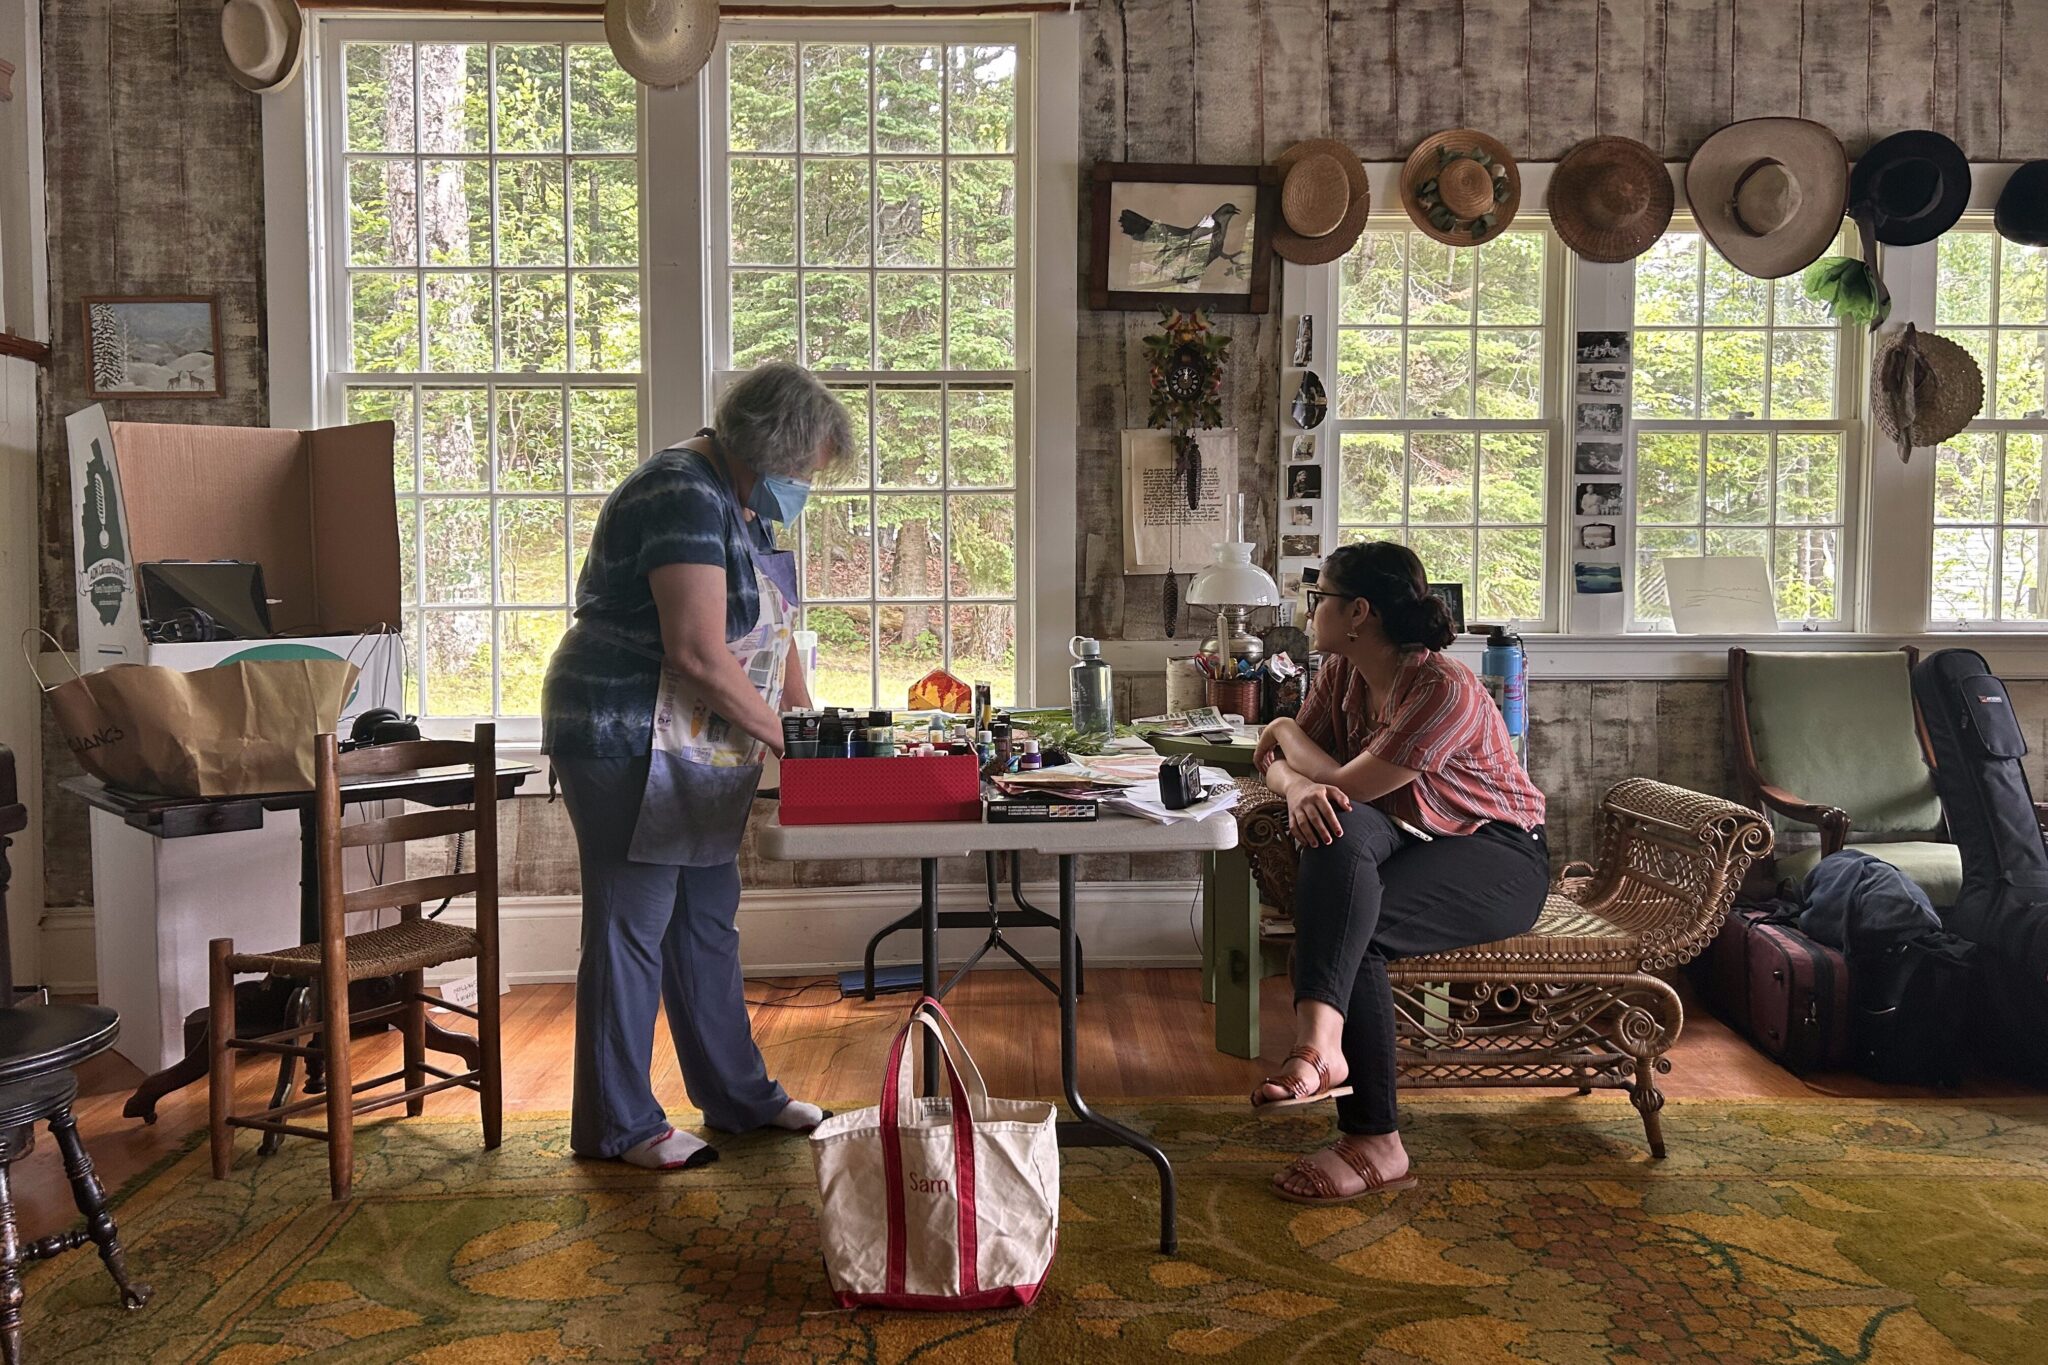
point(985, 747)
point(1000, 732)
point(1031, 760)
point(881, 734)
point(859, 744)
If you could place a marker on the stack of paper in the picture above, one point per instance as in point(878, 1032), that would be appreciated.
point(1143, 800)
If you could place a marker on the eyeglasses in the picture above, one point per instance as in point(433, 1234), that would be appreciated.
point(1315, 596)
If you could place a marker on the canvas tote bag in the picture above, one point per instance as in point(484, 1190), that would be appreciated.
point(240, 729)
point(946, 1202)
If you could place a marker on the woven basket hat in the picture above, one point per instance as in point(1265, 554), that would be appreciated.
point(1324, 201)
point(1610, 199)
point(1923, 389)
point(1461, 187)
point(265, 42)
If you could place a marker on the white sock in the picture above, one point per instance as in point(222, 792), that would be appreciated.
point(673, 1151)
point(798, 1117)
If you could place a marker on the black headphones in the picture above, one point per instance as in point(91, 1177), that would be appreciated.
point(185, 626)
point(381, 725)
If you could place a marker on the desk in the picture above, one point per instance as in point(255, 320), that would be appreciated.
point(265, 1006)
point(1234, 958)
point(930, 842)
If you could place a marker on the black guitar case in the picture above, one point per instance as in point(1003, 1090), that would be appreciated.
point(1977, 744)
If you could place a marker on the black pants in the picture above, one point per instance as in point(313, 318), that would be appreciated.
point(1378, 894)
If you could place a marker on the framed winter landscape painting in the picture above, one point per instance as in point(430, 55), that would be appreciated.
point(1173, 236)
point(166, 346)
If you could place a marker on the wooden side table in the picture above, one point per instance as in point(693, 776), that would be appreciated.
point(1234, 958)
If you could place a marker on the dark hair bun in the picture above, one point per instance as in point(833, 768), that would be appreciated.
point(1424, 621)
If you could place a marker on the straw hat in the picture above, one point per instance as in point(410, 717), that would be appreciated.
point(1912, 186)
point(2022, 213)
point(1461, 187)
point(264, 41)
point(1610, 199)
point(1923, 389)
point(1324, 201)
point(662, 43)
point(1769, 193)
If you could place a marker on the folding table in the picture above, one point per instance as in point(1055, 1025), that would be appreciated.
point(1061, 840)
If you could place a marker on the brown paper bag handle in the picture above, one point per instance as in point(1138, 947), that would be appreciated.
point(28, 657)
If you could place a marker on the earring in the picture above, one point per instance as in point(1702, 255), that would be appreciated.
point(1352, 636)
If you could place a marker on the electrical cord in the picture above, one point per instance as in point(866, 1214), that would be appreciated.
point(460, 837)
point(785, 1000)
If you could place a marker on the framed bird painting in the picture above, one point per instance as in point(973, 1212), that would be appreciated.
point(1177, 236)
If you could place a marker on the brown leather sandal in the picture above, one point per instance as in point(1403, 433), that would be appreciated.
point(1326, 1191)
point(1298, 1090)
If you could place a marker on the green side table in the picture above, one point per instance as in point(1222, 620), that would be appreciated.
point(1234, 958)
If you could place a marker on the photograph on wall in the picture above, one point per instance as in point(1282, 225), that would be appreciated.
point(1303, 450)
point(1302, 516)
point(1596, 579)
point(1602, 418)
point(1299, 546)
point(1304, 342)
point(1596, 457)
point(1305, 482)
point(152, 347)
point(1598, 500)
point(1602, 381)
point(1453, 596)
point(1603, 348)
point(1187, 236)
point(1597, 535)
point(1290, 585)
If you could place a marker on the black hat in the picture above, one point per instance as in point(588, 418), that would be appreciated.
point(1912, 186)
point(2022, 214)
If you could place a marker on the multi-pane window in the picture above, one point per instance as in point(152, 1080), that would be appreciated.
point(871, 227)
point(1742, 428)
point(1442, 417)
point(1990, 529)
point(487, 300)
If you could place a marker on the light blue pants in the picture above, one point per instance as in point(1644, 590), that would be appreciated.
point(653, 935)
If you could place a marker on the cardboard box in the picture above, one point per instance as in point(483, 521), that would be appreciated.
point(315, 508)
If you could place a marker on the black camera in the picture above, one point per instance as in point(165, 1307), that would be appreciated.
point(1180, 782)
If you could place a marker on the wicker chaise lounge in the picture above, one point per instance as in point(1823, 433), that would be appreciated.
point(1576, 1001)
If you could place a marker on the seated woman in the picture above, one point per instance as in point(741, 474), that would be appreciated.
point(1419, 831)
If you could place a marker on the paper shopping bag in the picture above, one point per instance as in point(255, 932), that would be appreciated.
point(237, 729)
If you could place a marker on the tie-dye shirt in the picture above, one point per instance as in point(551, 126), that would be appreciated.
point(598, 700)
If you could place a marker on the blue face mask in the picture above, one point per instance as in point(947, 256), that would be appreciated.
point(778, 498)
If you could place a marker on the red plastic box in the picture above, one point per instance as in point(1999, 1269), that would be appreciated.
point(880, 791)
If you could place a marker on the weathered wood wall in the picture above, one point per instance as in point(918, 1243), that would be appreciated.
point(155, 186)
point(1232, 81)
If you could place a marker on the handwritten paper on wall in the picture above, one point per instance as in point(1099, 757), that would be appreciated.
point(1720, 595)
point(1161, 531)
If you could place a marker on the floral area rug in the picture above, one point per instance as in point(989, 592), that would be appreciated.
point(1789, 1231)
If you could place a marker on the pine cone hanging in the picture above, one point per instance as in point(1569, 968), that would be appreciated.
point(1170, 600)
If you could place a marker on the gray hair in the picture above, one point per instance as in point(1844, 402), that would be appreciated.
point(779, 418)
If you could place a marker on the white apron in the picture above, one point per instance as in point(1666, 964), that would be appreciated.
point(702, 770)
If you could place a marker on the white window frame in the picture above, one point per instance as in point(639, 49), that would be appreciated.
point(1323, 287)
point(1850, 361)
point(1025, 290)
point(675, 266)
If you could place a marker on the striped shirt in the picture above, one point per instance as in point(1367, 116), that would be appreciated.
point(1439, 721)
point(598, 700)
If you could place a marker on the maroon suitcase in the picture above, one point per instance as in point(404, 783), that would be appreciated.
point(1789, 994)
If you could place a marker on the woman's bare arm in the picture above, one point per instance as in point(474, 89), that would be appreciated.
point(690, 601)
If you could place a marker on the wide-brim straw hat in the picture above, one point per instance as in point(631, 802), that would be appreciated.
point(1610, 199)
point(661, 43)
point(1769, 193)
point(265, 42)
point(1324, 201)
point(1924, 388)
point(1480, 198)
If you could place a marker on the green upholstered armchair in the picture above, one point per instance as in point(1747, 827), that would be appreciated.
point(1831, 742)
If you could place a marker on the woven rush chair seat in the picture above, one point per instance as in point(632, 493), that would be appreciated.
point(409, 946)
point(1577, 1000)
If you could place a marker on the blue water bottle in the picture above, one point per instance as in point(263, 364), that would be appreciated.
point(1505, 670)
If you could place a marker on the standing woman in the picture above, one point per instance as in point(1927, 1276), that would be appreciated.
point(659, 704)
point(1419, 833)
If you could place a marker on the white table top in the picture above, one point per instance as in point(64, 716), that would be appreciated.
point(959, 839)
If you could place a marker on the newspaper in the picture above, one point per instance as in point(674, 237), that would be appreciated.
point(1200, 720)
point(1161, 531)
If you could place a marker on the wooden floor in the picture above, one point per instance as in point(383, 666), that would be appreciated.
point(1143, 1033)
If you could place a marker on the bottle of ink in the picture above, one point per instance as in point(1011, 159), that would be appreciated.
point(1031, 760)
